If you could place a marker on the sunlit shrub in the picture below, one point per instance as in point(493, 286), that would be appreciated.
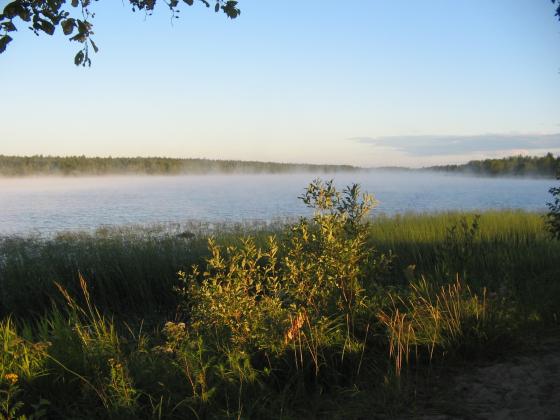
point(306, 288)
point(21, 362)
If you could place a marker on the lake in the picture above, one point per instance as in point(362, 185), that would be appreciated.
point(50, 205)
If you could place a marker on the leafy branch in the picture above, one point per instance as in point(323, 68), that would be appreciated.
point(74, 18)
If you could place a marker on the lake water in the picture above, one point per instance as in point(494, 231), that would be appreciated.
point(48, 205)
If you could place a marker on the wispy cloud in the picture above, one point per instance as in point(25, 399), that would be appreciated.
point(430, 145)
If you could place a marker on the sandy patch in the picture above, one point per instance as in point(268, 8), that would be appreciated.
point(524, 387)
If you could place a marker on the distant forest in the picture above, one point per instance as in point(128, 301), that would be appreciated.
point(81, 165)
point(546, 166)
point(12, 166)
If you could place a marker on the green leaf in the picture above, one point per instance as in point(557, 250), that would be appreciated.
point(24, 14)
point(44, 26)
point(217, 7)
point(4, 41)
point(9, 26)
point(189, 2)
point(11, 10)
point(75, 3)
point(93, 45)
point(68, 26)
point(79, 58)
point(231, 10)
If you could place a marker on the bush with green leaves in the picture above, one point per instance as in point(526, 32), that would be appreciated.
point(553, 216)
point(308, 286)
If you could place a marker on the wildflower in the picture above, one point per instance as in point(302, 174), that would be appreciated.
point(12, 378)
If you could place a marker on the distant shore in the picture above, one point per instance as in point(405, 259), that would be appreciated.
point(547, 166)
point(38, 165)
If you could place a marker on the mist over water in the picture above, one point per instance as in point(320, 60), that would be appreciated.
point(49, 205)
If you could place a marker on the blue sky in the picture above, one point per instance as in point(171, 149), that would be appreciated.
point(370, 83)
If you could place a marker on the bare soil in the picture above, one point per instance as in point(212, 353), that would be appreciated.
point(519, 387)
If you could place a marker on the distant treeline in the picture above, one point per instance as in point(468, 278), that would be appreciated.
point(546, 166)
point(82, 165)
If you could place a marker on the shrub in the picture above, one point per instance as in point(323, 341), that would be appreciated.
point(306, 288)
point(21, 362)
point(458, 246)
point(553, 216)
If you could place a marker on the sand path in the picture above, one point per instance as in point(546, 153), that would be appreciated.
point(522, 387)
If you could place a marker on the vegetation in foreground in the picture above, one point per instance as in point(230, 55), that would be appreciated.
point(329, 317)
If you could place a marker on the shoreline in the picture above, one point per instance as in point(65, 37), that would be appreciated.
point(208, 227)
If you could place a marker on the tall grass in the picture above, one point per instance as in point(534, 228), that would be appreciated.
point(134, 271)
point(511, 251)
point(130, 270)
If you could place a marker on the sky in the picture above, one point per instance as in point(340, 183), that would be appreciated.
point(368, 83)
